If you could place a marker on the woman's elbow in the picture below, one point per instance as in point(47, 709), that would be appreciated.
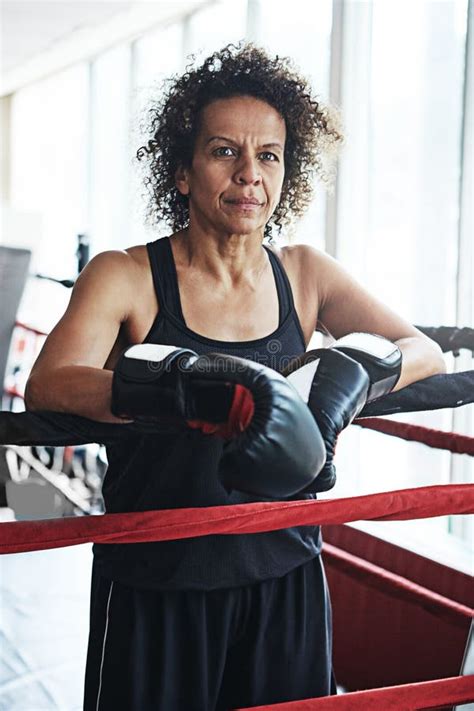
point(421, 358)
point(436, 361)
point(32, 395)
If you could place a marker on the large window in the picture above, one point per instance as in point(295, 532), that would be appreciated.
point(110, 92)
point(156, 56)
point(398, 211)
point(49, 170)
point(49, 163)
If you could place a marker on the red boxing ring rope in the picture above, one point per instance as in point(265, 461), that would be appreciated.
point(30, 329)
point(437, 439)
point(398, 586)
point(406, 697)
point(172, 524)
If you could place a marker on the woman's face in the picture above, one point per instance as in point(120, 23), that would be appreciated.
point(235, 180)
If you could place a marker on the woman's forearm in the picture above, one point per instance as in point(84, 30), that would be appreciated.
point(75, 389)
point(421, 357)
point(86, 391)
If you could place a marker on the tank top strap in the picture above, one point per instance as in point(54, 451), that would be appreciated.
point(165, 278)
point(285, 294)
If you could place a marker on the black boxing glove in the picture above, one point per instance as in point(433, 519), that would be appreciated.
point(381, 358)
point(273, 448)
point(152, 382)
point(337, 382)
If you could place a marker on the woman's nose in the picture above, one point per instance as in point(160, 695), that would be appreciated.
point(248, 171)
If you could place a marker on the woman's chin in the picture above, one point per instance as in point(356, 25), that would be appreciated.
point(245, 226)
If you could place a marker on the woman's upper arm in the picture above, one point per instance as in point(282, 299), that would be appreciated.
point(100, 302)
point(345, 306)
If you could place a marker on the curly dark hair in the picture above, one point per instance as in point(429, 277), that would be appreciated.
point(313, 132)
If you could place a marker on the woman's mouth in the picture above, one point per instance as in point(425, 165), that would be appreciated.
point(246, 205)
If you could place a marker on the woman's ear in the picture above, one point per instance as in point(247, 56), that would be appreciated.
point(181, 180)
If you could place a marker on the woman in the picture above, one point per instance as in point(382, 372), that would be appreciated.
point(230, 621)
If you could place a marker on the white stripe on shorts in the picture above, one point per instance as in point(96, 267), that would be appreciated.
point(103, 646)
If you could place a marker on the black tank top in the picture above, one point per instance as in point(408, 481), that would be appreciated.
point(180, 470)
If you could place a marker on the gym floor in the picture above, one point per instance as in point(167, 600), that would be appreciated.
point(44, 609)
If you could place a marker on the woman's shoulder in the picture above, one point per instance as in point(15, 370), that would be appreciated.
point(298, 254)
point(313, 267)
point(139, 255)
point(307, 264)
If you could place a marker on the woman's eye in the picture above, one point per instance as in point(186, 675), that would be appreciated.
point(222, 151)
point(269, 156)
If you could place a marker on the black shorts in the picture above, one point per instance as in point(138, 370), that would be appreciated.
point(190, 650)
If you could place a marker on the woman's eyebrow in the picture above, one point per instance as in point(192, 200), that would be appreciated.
point(229, 140)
